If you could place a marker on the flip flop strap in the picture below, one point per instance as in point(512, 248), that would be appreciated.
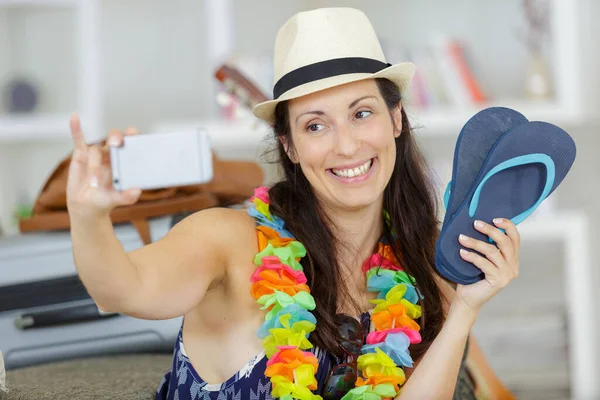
point(447, 195)
point(515, 162)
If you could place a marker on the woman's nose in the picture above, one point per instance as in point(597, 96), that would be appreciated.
point(347, 142)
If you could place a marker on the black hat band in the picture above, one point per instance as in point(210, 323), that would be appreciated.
point(326, 69)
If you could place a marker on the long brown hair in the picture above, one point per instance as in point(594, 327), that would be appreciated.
point(409, 198)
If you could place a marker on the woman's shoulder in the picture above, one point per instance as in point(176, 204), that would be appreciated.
point(228, 224)
point(234, 237)
point(231, 231)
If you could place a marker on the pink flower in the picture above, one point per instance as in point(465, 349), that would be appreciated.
point(272, 265)
point(275, 276)
point(262, 193)
point(377, 260)
point(379, 336)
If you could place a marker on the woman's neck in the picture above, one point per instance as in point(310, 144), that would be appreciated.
point(358, 233)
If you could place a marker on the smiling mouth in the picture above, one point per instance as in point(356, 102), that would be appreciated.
point(353, 172)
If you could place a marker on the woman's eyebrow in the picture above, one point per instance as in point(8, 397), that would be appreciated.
point(309, 112)
point(354, 103)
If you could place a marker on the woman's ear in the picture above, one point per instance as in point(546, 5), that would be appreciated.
point(289, 150)
point(397, 117)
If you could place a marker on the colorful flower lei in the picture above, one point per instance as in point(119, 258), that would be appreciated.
point(279, 285)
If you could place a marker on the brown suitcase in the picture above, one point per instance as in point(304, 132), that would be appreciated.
point(232, 183)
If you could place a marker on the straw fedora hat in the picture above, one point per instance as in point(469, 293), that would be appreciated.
point(327, 47)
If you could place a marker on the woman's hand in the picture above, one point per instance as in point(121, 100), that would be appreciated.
point(89, 187)
point(500, 264)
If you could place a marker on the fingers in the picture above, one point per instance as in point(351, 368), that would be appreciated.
point(126, 197)
point(105, 178)
point(487, 249)
point(504, 243)
point(132, 130)
point(485, 265)
point(76, 133)
point(503, 258)
point(511, 231)
point(496, 277)
point(115, 138)
point(94, 163)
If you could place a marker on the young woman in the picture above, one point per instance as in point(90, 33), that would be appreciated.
point(339, 255)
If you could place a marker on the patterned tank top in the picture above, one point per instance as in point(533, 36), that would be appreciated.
point(182, 382)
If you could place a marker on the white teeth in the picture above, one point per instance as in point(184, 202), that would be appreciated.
point(353, 172)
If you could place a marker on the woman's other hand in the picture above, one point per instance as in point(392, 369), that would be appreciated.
point(500, 263)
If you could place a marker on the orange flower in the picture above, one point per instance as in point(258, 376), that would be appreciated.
point(273, 275)
point(386, 251)
point(376, 379)
point(268, 235)
point(393, 317)
point(293, 356)
point(288, 359)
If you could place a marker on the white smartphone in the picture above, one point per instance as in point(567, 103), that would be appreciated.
point(161, 160)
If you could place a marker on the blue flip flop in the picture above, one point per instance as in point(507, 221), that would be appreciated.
point(474, 142)
point(523, 167)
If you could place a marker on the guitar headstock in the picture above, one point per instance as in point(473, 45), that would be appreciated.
point(240, 86)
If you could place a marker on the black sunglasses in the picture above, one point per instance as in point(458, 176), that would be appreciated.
point(342, 377)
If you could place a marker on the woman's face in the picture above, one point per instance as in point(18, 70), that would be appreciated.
point(344, 142)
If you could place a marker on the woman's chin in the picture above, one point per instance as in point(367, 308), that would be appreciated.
point(358, 198)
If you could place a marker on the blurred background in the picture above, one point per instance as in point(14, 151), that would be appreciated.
point(151, 64)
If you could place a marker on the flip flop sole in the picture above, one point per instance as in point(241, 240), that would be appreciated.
point(474, 142)
point(522, 169)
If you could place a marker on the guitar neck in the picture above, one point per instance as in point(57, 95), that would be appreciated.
point(240, 86)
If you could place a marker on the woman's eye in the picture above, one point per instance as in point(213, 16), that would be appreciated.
point(363, 114)
point(314, 127)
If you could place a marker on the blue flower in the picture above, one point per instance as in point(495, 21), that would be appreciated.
point(383, 280)
point(277, 223)
point(297, 314)
point(395, 346)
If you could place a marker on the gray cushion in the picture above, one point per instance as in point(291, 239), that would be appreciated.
point(122, 377)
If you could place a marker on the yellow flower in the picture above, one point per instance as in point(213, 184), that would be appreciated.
point(396, 296)
point(377, 364)
point(296, 335)
point(282, 386)
point(262, 207)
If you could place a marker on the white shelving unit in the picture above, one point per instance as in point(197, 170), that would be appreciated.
point(36, 3)
point(448, 121)
point(36, 127)
point(90, 98)
point(572, 229)
point(566, 111)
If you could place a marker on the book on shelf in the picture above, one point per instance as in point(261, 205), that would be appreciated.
point(444, 76)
